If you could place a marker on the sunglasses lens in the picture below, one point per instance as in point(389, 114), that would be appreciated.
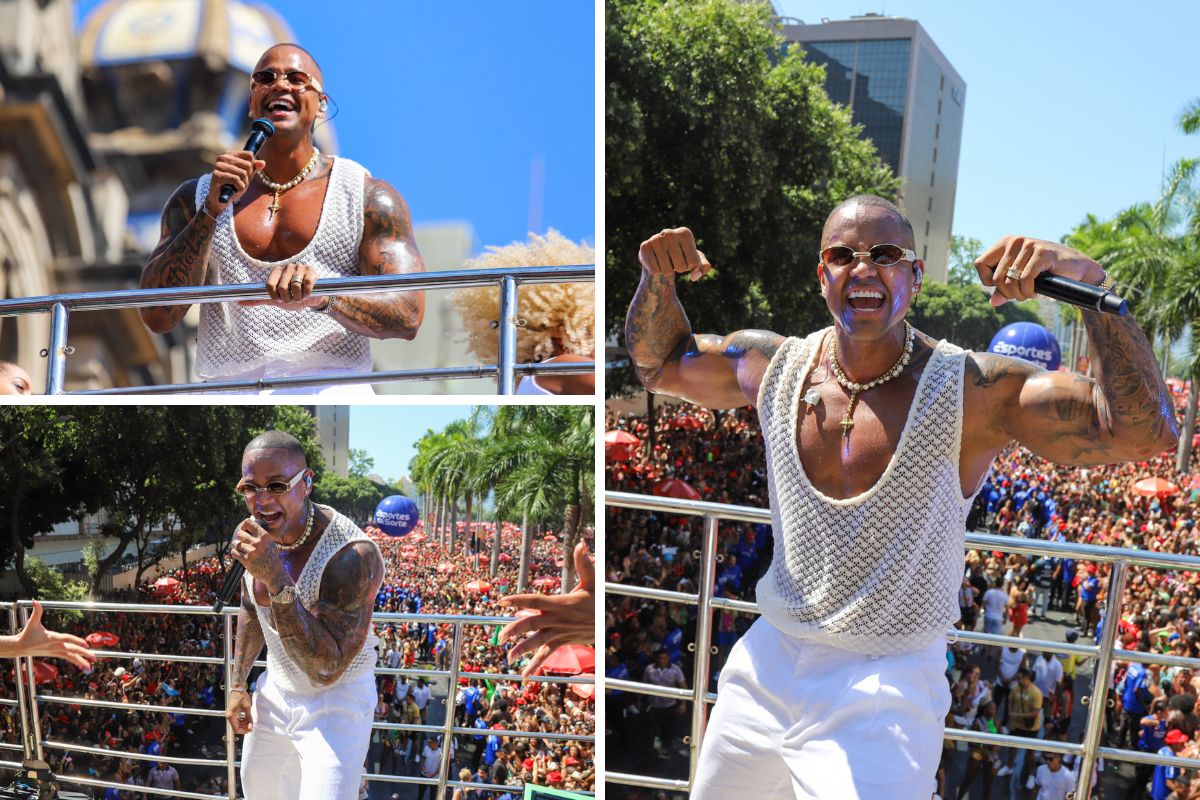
point(298, 78)
point(277, 487)
point(886, 254)
point(838, 256)
point(247, 489)
point(264, 77)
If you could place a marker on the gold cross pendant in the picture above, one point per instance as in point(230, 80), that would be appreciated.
point(847, 423)
point(274, 206)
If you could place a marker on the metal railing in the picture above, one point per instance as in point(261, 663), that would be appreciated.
point(1105, 652)
point(505, 369)
point(33, 745)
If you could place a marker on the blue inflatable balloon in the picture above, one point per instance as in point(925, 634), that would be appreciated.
point(1029, 341)
point(396, 515)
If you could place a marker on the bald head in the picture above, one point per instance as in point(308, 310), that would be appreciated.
point(276, 440)
point(290, 52)
point(870, 206)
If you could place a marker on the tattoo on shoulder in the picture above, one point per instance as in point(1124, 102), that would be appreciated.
point(986, 370)
point(385, 214)
point(765, 343)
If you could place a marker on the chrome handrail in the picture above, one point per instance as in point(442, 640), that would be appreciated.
point(60, 306)
point(1105, 652)
point(33, 741)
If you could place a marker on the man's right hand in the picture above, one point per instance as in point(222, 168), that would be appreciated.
point(237, 711)
point(671, 251)
point(236, 168)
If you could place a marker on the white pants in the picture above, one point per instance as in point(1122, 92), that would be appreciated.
point(803, 720)
point(308, 746)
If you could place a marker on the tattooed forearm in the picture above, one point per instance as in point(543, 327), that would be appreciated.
point(388, 248)
point(1130, 394)
point(181, 258)
point(324, 642)
point(247, 645)
point(656, 327)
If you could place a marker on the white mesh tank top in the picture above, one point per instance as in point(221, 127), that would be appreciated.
point(267, 342)
point(284, 672)
point(876, 573)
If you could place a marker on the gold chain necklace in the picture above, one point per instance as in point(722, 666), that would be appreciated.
point(280, 188)
point(312, 514)
point(856, 388)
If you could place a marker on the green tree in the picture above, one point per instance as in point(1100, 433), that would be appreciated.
point(962, 315)
point(361, 464)
point(714, 122)
point(963, 252)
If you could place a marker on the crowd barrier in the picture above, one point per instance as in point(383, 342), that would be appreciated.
point(60, 306)
point(33, 745)
point(1105, 652)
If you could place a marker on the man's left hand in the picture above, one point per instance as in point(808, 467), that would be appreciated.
point(35, 640)
point(1027, 258)
point(289, 287)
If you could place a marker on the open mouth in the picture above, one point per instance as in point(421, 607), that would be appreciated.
point(280, 107)
point(269, 520)
point(865, 300)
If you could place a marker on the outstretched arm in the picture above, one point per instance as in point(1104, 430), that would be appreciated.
point(388, 248)
point(246, 647)
point(709, 370)
point(1123, 413)
point(35, 640)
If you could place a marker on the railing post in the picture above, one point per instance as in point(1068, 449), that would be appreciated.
point(507, 351)
point(56, 354)
point(32, 705)
point(1100, 681)
point(230, 736)
point(22, 698)
point(451, 695)
point(708, 554)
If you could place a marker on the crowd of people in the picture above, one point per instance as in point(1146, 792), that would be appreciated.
point(720, 456)
point(418, 581)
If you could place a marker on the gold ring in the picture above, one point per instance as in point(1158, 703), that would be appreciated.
point(1012, 274)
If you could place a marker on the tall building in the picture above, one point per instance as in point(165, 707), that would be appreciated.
point(909, 100)
point(333, 433)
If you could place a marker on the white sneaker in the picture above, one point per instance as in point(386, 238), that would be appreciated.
point(1003, 771)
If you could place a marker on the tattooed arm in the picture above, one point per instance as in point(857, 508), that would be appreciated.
point(181, 257)
point(709, 370)
point(246, 647)
point(324, 641)
point(388, 248)
point(1124, 413)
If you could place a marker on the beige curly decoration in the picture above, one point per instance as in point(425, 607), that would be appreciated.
point(545, 308)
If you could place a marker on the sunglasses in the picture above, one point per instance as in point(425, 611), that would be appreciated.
point(881, 255)
point(248, 490)
point(295, 77)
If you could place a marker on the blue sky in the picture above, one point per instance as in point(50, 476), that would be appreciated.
point(388, 432)
point(460, 105)
point(1071, 107)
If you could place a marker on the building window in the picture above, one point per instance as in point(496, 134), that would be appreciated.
point(939, 106)
point(925, 247)
point(956, 95)
point(942, 83)
point(930, 206)
point(931, 179)
point(926, 231)
point(937, 130)
point(935, 155)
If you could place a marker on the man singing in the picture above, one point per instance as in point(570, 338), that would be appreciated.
point(296, 216)
point(310, 585)
point(877, 439)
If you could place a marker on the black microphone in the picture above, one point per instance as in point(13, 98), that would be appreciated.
point(1084, 295)
point(234, 576)
point(260, 129)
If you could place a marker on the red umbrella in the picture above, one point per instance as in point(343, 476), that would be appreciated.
point(584, 691)
point(573, 659)
point(43, 672)
point(505, 558)
point(102, 639)
point(166, 585)
point(479, 586)
point(673, 487)
point(545, 580)
point(620, 445)
point(447, 566)
point(551, 537)
point(1155, 487)
point(688, 424)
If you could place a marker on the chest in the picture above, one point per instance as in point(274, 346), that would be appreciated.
point(843, 460)
point(271, 230)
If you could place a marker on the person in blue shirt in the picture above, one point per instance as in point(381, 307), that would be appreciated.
point(1167, 779)
point(1089, 590)
point(1135, 697)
